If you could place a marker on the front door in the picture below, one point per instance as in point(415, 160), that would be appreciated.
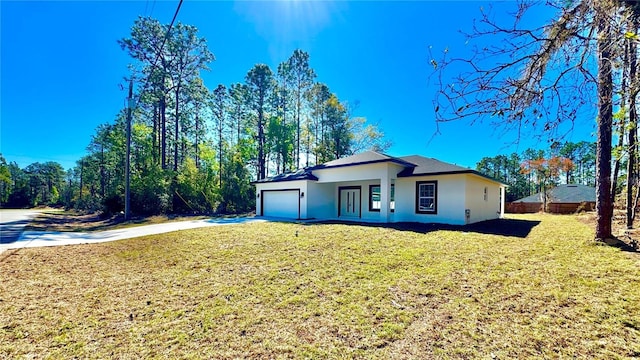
point(349, 202)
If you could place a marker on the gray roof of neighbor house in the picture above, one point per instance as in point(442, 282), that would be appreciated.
point(414, 165)
point(566, 193)
point(302, 174)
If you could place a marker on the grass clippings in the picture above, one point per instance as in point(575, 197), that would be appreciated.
point(275, 290)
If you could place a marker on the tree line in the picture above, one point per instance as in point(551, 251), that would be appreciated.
point(536, 170)
point(194, 149)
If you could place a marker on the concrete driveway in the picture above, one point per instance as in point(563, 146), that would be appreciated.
point(49, 238)
point(12, 223)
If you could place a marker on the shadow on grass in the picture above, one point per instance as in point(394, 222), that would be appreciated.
point(628, 246)
point(501, 227)
point(71, 223)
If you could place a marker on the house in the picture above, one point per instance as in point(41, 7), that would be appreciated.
point(563, 199)
point(375, 187)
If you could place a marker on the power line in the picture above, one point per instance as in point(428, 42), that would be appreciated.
point(153, 6)
point(127, 210)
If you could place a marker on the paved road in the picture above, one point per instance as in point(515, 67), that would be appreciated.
point(51, 238)
point(12, 223)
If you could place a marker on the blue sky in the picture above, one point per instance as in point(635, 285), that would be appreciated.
point(61, 67)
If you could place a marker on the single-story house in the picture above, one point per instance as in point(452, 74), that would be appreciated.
point(562, 199)
point(375, 187)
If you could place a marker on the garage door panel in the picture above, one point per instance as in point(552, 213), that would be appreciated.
point(283, 203)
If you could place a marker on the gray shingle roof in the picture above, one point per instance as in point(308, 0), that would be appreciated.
point(427, 166)
point(566, 193)
point(415, 165)
point(367, 157)
point(302, 174)
point(431, 166)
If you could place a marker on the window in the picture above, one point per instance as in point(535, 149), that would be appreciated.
point(486, 194)
point(426, 197)
point(374, 198)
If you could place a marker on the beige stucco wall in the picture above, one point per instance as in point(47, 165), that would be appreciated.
point(450, 199)
point(482, 209)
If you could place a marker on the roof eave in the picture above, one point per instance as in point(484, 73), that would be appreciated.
point(394, 160)
point(269, 181)
point(469, 171)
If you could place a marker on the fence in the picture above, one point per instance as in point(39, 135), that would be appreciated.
point(554, 208)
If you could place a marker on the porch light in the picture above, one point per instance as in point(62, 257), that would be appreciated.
point(302, 194)
point(258, 195)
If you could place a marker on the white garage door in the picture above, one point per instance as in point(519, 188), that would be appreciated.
point(283, 204)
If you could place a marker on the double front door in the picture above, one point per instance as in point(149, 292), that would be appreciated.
point(349, 202)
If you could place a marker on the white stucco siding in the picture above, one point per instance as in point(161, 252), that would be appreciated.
point(300, 185)
point(357, 172)
point(321, 200)
point(362, 176)
point(482, 208)
point(450, 200)
point(365, 213)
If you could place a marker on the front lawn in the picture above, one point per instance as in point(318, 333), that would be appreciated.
point(325, 291)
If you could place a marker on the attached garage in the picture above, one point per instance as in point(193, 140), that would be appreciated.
point(281, 203)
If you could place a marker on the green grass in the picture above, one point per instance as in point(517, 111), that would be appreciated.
point(333, 291)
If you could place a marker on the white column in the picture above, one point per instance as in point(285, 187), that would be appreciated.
point(385, 196)
point(502, 200)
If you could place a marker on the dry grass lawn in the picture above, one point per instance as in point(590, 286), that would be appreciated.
point(58, 220)
point(275, 290)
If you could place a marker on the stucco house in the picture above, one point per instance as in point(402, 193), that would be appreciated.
point(375, 187)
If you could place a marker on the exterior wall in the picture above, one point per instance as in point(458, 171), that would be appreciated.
point(357, 172)
point(481, 209)
point(321, 200)
point(450, 200)
point(299, 184)
point(366, 215)
point(455, 194)
point(382, 174)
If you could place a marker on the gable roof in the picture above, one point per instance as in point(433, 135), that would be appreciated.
point(301, 174)
point(367, 157)
point(565, 193)
point(430, 166)
point(414, 165)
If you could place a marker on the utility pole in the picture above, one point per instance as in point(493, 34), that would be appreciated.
point(127, 195)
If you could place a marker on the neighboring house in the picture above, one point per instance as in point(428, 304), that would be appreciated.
point(563, 199)
point(375, 187)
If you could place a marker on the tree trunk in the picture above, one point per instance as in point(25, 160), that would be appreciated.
point(196, 149)
point(284, 126)
point(176, 128)
point(621, 127)
point(220, 124)
point(298, 106)
point(261, 156)
point(102, 174)
point(633, 118)
point(81, 178)
point(604, 208)
point(163, 131)
point(239, 123)
point(154, 137)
